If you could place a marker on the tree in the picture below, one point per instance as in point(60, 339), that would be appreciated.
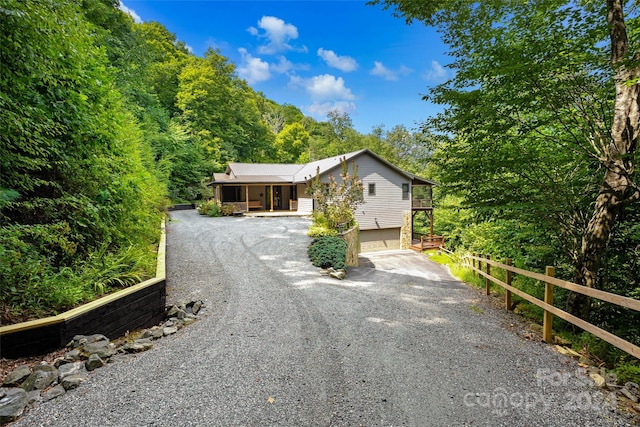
point(221, 110)
point(545, 97)
point(338, 200)
point(291, 142)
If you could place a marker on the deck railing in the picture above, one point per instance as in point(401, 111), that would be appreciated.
point(427, 242)
point(421, 203)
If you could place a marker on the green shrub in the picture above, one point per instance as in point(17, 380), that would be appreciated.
point(228, 210)
point(210, 208)
point(328, 251)
point(321, 231)
point(38, 278)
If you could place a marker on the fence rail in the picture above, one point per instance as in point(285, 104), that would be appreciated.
point(547, 305)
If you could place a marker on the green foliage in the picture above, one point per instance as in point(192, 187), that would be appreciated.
point(228, 210)
point(337, 201)
point(41, 276)
point(321, 231)
point(328, 251)
point(80, 177)
point(210, 208)
point(291, 142)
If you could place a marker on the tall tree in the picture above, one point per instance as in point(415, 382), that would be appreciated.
point(222, 110)
point(544, 103)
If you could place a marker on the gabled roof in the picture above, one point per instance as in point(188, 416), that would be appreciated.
point(251, 173)
point(248, 173)
point(309, 170)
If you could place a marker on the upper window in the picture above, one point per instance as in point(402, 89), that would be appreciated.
point(372, 189)
point(405, 191)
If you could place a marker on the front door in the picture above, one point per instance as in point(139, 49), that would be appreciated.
point(277, 197)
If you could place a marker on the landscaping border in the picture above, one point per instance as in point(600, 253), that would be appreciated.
point(139, 306)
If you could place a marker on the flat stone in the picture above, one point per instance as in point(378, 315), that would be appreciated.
point(181, 314)
point(94, 362)
point(169, 330)
point(598, 379)
point(629, 395)
point(73, 381)
point(17, 376)
point(54, 392)
point(188, 321)
point(33, 397)
point(338, 274)
point(104, 349)
point(153, 333)
point(173, 311)
point(568, 351)
point(59, 361)
point(12, 404)
point(70, 369)
point(137, 346)
point(196, 307)
point(42, 377)
point(81, 340)
point(73, 355)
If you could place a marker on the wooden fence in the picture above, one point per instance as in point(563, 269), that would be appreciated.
point(475, 262)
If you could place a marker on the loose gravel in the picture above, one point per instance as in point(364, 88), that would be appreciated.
point(280, 344)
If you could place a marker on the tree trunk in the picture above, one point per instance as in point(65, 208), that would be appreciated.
point(618, 187)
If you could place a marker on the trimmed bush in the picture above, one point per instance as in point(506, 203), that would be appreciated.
point(210, 208)
point(228, 210)
point(328, 251)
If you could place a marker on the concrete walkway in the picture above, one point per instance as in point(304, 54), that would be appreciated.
point(399, 343)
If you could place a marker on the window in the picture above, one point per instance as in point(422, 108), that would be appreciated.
point(372, 189)
point(405, 191)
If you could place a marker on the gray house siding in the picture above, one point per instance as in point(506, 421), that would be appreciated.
point(384, 209)
point(305, 202)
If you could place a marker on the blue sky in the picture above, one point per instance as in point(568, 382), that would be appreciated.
point(316, 55)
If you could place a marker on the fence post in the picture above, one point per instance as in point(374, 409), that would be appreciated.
point(507, 295)
point(473, 261)
point(479, 265)
point(547, 325)
point(487, 282)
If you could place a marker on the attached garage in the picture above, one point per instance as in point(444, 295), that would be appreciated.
point(380, 240)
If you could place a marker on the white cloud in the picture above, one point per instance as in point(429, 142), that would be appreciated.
point(322, 109)
point(343, 63)
point(388, 74)
point(130, 12)
point(252, 69)
point(283, 65)
point(278, 34)
point(327, 87)
point(436, 73)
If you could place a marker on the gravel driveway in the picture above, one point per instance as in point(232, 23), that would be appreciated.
point(402, 344)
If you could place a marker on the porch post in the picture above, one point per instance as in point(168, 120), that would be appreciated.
point(246, 196)
point(271, 186)
point(431, 223)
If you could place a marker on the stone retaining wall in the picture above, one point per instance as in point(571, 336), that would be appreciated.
point(352, 238)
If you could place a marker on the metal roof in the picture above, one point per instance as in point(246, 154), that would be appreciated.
point(255, 173)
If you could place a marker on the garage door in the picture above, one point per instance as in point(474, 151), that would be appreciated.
point(380, 240)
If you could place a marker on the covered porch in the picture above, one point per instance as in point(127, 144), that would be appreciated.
point(422, 204)
point(269, 197)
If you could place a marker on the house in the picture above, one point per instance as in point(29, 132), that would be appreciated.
point(392, 197)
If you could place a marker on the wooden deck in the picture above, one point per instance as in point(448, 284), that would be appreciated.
point(427, 242)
